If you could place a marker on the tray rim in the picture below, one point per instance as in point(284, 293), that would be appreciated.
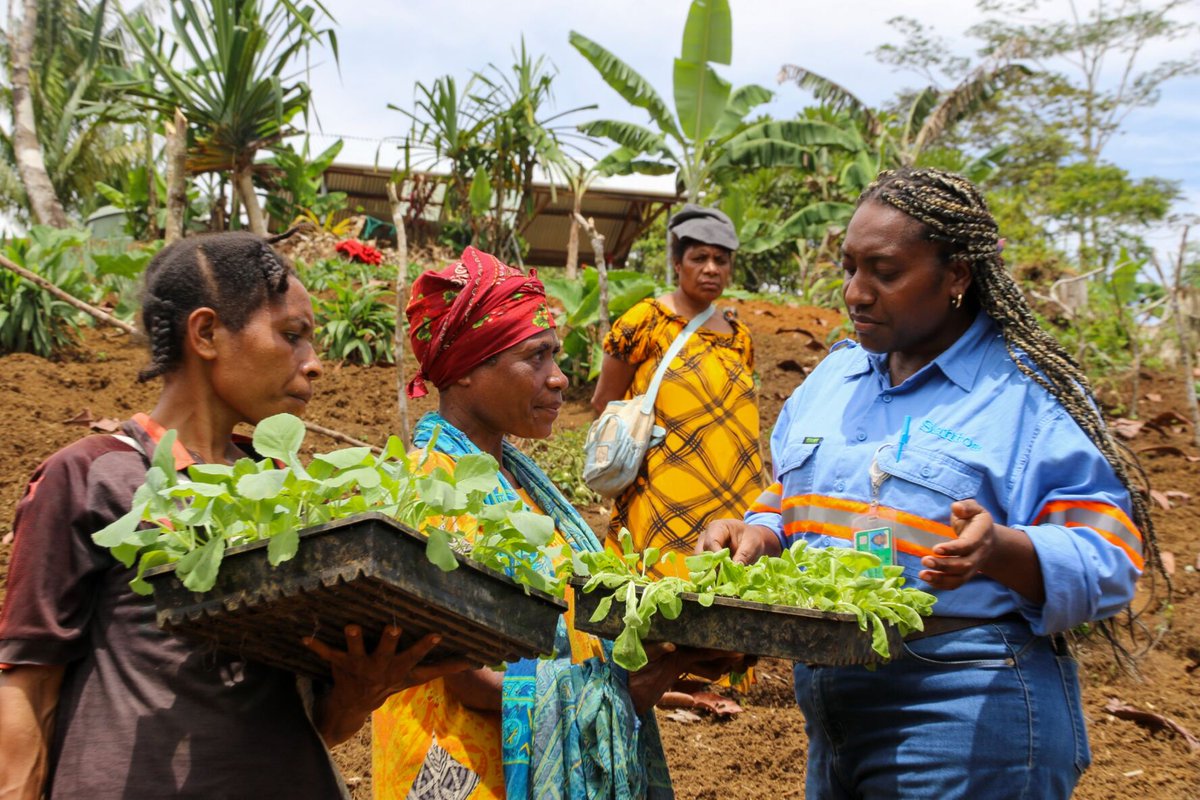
point(333, 526)
point(578, 582)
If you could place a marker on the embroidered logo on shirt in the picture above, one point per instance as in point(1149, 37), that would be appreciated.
point(812, 439)
point(928, 426)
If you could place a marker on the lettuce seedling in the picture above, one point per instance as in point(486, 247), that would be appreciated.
point(831, 579)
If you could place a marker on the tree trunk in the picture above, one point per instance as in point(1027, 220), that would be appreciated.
point(401, 304)
point(176, 175)
point(27, 149)
point(573, 237)
point(669, 276)
point(254, 214)
point(233, 222)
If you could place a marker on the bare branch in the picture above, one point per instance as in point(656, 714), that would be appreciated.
point(38, 280)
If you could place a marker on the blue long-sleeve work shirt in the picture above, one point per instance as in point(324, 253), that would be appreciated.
point(979, 429)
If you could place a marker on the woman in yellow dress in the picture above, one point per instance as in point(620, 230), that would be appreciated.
point(573, 726)
point(709, 464)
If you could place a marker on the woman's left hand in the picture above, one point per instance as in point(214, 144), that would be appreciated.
point(954, 563)
point(668, 661)
point(362, 682)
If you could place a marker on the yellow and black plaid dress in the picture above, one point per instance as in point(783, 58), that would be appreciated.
point(710, 464)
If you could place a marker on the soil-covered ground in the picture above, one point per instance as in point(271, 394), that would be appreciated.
point(760, 752)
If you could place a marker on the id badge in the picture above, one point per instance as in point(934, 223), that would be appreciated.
point(874, 535)
point(873, 530)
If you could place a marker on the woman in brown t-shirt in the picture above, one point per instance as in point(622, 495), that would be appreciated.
point(95, 700)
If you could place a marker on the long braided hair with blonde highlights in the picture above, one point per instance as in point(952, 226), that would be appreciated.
point(954, 213)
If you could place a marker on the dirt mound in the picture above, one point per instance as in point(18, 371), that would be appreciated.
point(759, 753)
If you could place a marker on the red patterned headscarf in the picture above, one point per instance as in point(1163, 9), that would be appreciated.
point(468, 312)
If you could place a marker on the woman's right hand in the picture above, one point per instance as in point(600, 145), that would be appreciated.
point(362, 682)
point(746, 543)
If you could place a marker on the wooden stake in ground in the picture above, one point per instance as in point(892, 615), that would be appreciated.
point(1174, 286)
point(151, 182)
point(589, 225)
point(338, 436)
point(401, 304)
point(573, 237)
point(176, 175)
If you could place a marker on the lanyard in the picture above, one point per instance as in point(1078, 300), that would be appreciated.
point(873, 534)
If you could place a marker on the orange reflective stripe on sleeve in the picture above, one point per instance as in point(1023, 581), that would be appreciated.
point(1107, 520)
point(769, 501)
point(834, 516)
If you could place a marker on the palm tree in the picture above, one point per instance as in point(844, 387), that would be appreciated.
point(236, 92)
point(902, 138)
point(446, 129)
point(489, 135)
point(69, 128)
point(521, 132)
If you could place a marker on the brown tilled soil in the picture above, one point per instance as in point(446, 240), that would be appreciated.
point(759, 753)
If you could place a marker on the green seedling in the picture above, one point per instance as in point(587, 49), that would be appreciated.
point(826, 579)
point(191, 521)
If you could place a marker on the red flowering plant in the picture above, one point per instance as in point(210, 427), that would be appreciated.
point(357, 251)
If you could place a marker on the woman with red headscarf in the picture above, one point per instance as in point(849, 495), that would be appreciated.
point(573, 726)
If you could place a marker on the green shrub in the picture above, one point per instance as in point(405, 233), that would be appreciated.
point(562, 458)
point(116, 268)
point(356, 324)
point(31, 319)
point(325, 273)
point(579, 323)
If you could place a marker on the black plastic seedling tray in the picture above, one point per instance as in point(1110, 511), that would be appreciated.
point(367, 570)
point(737, 626)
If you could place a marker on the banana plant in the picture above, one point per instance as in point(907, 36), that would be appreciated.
point(909, 136)
point(707, 130)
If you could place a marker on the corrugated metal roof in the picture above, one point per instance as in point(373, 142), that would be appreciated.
point(621, 215)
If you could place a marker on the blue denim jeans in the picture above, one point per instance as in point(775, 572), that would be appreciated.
point(986, 713)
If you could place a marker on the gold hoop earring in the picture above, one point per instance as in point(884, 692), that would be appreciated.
point(957, 301)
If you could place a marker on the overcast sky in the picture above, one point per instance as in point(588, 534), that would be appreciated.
point(388, 45)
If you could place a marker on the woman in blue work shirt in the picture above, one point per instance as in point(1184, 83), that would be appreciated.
point(963, 428)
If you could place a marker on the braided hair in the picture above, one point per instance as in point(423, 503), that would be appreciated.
point(955, 214)
point(233, 273)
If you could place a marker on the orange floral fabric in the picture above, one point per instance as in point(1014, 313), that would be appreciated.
point(410, 721)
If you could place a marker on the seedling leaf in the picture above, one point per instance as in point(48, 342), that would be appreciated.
point(280, 437)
